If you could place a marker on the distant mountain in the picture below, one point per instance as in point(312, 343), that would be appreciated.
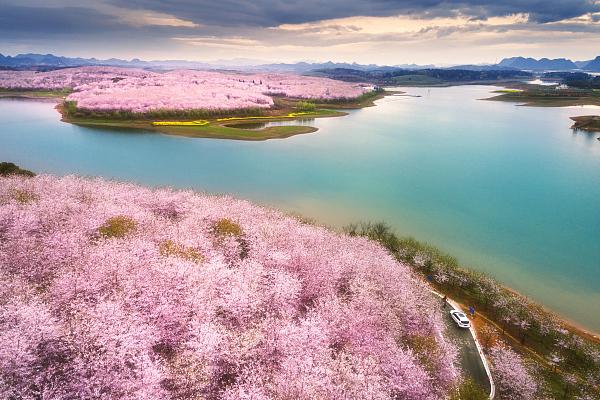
point(49, 61)
point(593, 65)
point(582, 64)
point(558, 64)
point(413, 66)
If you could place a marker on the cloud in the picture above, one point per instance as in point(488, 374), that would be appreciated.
point(268, 13)
point(382, 31)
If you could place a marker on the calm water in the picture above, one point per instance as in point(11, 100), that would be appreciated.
point(508, 190)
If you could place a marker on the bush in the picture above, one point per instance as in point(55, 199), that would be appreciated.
point(117, 227)
point(305, 106)
point(8, 168)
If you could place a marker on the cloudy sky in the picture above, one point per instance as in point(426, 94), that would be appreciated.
point(377, 31)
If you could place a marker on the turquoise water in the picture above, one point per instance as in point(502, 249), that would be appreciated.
point(509, 190)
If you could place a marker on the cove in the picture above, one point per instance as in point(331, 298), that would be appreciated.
point(508, 190)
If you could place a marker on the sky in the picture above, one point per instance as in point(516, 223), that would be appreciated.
point(384, 32)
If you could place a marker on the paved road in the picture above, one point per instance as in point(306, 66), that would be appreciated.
point(469, 358)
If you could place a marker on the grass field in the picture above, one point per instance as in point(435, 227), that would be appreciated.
point(218, 128)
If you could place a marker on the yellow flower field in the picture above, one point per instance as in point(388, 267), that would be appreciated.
point(200, 122)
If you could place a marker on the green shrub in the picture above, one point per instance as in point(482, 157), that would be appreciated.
point(305, 106)
point(117, 227)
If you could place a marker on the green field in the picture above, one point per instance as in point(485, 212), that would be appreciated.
point(216, 128)
point(214, 123)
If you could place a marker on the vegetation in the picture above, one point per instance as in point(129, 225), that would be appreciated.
point(199, 122)
point(587, 123)
point(549, 96)
point(169, 248)
point(469, 390)
point(301, 312)
point(35, 93)
point(306, 106)
point(579, 80)
point(8, 168)
point(117, 227)
point(555, 348)
point(226, 227)
point(422, 77)
point(24, 196)
point(219, 127)
point(71, 110)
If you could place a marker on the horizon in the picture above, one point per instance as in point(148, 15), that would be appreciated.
point(379, 32)
point(241, 62)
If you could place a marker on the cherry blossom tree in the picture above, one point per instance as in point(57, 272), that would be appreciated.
point(141, 91)
point(110, 290)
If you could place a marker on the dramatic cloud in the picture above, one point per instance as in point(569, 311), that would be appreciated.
point(276, 12)
point(379, 31)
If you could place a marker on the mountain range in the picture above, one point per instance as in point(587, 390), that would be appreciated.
point(51, 61)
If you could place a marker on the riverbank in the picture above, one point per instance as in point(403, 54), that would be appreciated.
point(216, 125)
point(208, 290)
point(558, 348)
point(215, 128)
point(336, 186)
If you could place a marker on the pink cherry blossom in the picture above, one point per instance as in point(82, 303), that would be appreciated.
point(273, 308)
point(512, 378)
point(136, 90)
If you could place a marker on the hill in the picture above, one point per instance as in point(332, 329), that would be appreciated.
point(593, 65)
point(135, 293)
point(560, 64)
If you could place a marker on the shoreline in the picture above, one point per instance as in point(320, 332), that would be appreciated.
point(526, 347)
point(573, 325)
point(213, 127)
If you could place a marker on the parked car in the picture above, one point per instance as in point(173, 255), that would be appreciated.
point(460, 318)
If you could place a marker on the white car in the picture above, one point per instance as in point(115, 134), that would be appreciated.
point(460, 318)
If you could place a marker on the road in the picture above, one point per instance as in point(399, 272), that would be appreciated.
point(469, 358)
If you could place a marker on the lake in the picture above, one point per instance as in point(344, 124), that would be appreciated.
point(508, 190)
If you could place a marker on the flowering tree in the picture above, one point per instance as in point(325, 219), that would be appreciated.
point(110, 290)
point(512, 378)
point(140, 91)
